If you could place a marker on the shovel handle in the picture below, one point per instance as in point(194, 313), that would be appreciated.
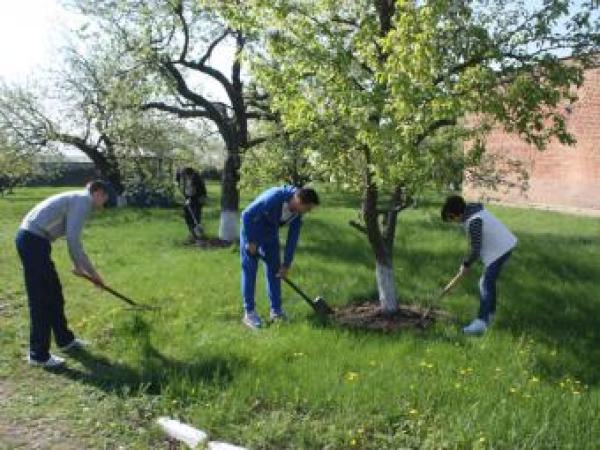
point(451, 284)
point(291, 284)
point(299, 291)
point(111, 291)
point(446, 289)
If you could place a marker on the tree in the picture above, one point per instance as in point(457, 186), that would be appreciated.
point(386, 89)
point(17, 165)
point(87, 105)
point(175, 42)
point(281, 159)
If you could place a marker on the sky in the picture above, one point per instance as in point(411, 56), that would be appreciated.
point(31, 33)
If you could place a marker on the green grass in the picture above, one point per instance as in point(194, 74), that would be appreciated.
point(532, 382)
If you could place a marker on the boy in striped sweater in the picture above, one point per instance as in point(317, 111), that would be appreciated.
point(491, 242)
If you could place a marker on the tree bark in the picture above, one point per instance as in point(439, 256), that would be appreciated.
point(381, 244)
point(106, 162)
point(230, 196)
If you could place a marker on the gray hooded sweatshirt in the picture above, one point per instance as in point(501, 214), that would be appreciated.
point(63, 215)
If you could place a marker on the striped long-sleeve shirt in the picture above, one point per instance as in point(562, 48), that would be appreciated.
point(475, 232)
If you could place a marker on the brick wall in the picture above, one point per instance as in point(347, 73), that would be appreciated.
point(560, 176)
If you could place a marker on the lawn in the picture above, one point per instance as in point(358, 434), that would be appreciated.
point(532, 382)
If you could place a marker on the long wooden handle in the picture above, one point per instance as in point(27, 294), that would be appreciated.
point(295, 287)
point(111, 291)
point(451, 284)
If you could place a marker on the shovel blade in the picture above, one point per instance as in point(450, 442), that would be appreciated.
point(321, 307)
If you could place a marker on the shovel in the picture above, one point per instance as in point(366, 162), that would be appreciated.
point(120, 296)
point(446, 289)
point(319, 305)
point(198, 230)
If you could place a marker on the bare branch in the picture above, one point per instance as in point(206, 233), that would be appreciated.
point(358, 226)
point(179, 112)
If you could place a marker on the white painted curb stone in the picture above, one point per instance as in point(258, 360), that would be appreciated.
point(192, 437)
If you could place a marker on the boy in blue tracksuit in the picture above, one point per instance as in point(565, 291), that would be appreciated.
point(261, 220)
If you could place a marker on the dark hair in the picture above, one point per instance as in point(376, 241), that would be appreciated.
point(97, 185)
point(308, 196)
point(455, 205)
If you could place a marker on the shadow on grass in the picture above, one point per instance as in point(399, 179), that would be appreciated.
point(548, 292)
point(156, 372)
point(560, 308)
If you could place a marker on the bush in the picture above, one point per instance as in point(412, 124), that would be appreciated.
point(149, 193)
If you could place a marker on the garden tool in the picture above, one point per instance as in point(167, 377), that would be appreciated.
point(120, 296)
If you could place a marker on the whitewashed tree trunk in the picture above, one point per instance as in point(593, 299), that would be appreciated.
point(229, 226)
point(386, 287)
point(121, 201)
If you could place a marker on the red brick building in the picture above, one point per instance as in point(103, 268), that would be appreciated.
point(560, 176)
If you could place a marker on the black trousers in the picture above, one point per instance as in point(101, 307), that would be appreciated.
point(44, 292)
point(192, 210)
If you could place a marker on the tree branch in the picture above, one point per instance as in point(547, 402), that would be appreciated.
point(358, 226)
point(433, 127)
point(179, 112)
point(212, 46)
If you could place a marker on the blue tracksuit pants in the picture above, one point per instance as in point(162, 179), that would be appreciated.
point(272, 262)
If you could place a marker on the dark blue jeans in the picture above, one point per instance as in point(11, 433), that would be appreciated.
point(44, 291)
point(487, 287)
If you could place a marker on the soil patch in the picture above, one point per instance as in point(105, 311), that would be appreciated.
point(369, 316)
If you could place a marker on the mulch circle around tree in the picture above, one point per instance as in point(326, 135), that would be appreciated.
point(369, 316)
point(211, 243)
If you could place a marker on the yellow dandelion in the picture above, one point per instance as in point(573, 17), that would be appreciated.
point(353, 442)
point(372, 363)
point(498, 369)
point(576, 392)
point(512, 390)
point(352, 376)
point(298, 354)
point(413, 412)
point(361, 431)
point(482, 439)
point(553, 353)
point(562, 384)
point(457, 385)
point(534, 379)
point(429, 366)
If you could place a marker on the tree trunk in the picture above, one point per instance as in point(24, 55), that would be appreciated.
point(382, 247)
point(230, 196)
point(386, 285)
point(109, 170)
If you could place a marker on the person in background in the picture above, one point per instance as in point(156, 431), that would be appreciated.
point(193, 188)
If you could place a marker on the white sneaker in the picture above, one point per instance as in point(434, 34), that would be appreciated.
point(51, 363)
point(252, 320)
point(476, 327)
point(74, 345)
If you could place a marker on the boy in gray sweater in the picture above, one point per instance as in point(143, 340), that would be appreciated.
point(60, 215)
